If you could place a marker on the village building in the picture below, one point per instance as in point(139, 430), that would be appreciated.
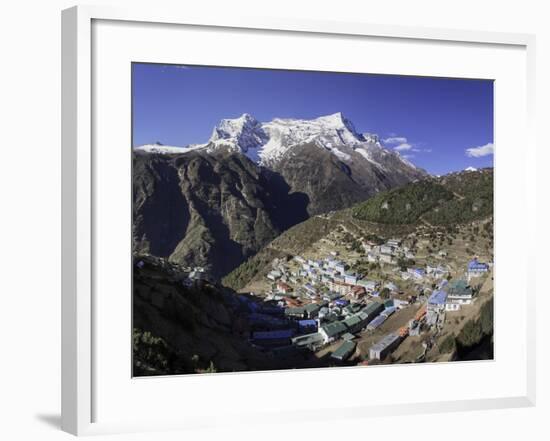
point(437, 300)
point(323, 313)
point(274, 275)
point(436, 305)
point(341, 302)
point(309, 288)
point(308, 340)
point(298, 312)
point(388, 311)
point(283, 287)
point(399, 304)
point(331, 296)
point(348, 336)
point(372, 310)
point(353, 323)
point(459, 293)
point(393, 243)
point(340, 267)
point(352, 308)
point(317, 264)
point(350, 278)
point(384, 347)
point(307, 325)
point(332, 331)
point(358, 292)
point(476, 268)
point(273, 338)
point(339, 287)
point(344, 351)
point(376, 322)
point(369, 285)
point(312, 310)
point(417, 273)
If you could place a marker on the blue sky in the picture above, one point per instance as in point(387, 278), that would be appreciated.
point(433, 121)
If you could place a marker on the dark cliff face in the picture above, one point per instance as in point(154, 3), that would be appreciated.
point(210, 210)
point(160, 210)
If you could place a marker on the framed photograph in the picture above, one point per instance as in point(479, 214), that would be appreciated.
point(262, 210)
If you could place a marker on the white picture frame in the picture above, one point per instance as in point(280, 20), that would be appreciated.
point(80, 200)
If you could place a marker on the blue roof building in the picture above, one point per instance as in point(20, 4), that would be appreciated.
point(273, 335)
point(437, 298)
point(307, 324)
point(376, 322)
point(474, 266)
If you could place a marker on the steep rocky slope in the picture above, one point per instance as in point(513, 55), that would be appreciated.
point(209, 210)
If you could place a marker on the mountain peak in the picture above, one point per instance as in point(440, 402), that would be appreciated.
point(337, 121)
point(337, 118)
point(242, 133)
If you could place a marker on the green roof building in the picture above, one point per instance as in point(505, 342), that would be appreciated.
point(344, 351)
point(332, 331)
point(353, 323)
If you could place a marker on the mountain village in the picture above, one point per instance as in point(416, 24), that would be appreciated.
point(327, 303)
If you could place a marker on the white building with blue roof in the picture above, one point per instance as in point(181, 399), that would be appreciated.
point(476, 268)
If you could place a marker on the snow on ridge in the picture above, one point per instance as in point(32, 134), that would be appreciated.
point(405, 161)
point(340, 154)
point(470, 169)
point(369, 157)
point(166, 149)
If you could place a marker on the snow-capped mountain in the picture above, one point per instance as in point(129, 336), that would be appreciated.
point(266, 143)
